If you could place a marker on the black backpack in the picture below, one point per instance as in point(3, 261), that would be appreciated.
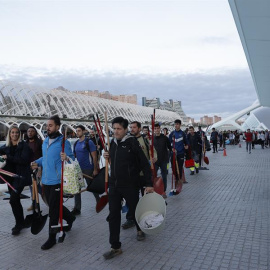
point(86, 142)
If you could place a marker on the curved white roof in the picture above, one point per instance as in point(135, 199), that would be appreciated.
point(25, 100)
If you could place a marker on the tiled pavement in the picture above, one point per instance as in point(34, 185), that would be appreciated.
point(219, 221)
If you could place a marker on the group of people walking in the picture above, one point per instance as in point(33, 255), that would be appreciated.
point(129, 157)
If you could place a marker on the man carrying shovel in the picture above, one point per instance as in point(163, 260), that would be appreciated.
point(51, 176)
point(127, 160)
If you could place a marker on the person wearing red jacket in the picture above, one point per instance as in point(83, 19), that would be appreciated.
point(248, 136)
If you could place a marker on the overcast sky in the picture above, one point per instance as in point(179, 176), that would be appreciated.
point(184, 50)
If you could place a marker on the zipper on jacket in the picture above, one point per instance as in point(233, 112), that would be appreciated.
point(114, 165)
point(47, 155)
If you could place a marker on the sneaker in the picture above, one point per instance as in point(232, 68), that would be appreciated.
point(192, 173)
point(112, 253)
point(75, 212)
point(185, 182)
point(128, 224)
point(140, 236)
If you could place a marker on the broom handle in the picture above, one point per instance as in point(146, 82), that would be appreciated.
point(174, 161)
point(62, 185)
point(9, 173)
point(100, 129)
point(8, 184)
point(108, 149)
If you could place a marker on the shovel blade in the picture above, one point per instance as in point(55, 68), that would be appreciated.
point(29, 220)
point(179, 186)
point(206, 160)
point(158, 185)
point(102, 203)
point(38, 224)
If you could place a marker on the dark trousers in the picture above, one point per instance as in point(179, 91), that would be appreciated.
point(131, 195)
point(52, 194)
point(16, 206)
point(142, 185)
point(180, 161)
point(163, 169)
point(214, 145)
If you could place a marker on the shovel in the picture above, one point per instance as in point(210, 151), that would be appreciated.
point(39, 221)
point(157, 181)
point(29, 218)
point(60, 225)
point(22, 196)
point(104, 199)
point(179, 182)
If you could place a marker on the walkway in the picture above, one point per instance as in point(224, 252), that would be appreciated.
point(219, 221)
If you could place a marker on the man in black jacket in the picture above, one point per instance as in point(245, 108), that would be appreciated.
point(214, 139)
point(162, 145)
point(127, 160)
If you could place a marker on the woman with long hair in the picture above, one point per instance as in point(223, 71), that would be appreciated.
point(17, 154)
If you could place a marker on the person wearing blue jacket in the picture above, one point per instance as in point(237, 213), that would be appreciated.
point(181, 143)
point(51, 162)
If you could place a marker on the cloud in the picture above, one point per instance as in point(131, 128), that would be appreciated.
point(219, 92)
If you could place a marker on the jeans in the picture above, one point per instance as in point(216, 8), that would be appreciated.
point(131, 195)
point(248, 146)
point(163, 169)
point(180, 161)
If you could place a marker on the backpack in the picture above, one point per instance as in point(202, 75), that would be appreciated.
point(86, 142)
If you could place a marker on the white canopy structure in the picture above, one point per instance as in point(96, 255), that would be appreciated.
point(19, 100)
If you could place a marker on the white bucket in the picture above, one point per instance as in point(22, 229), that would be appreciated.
point(148, 204)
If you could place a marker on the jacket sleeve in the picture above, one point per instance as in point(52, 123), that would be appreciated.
point(143, 163)
point(39, 161)
point(23, 158)
point(169, 146)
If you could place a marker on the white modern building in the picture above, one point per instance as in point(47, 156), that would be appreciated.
point(252, 19)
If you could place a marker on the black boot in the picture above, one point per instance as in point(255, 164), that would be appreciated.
point(50, 242)
point(17, 229)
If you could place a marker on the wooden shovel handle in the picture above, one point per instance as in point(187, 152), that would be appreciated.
point(87, 176)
